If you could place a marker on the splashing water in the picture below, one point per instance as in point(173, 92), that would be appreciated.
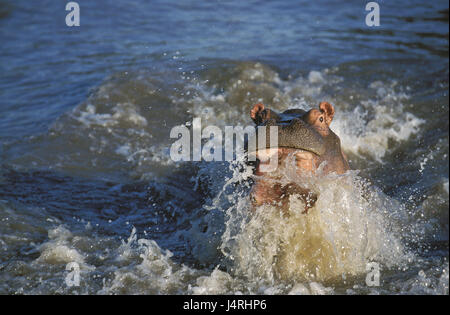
point(194, 229)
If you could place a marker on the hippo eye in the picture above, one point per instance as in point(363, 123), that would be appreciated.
point(321, 119)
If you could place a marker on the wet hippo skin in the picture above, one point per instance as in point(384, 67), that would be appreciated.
point(304, 135)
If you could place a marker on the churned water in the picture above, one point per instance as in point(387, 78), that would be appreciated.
point(86, 176)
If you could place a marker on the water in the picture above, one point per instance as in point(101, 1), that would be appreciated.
point(85, 172)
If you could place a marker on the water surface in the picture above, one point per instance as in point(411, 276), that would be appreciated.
point(85, 171)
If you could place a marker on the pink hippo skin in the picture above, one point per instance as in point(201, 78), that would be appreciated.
point(310, 147)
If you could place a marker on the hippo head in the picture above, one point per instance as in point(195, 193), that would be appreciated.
point(297, 129)
point(304, 135)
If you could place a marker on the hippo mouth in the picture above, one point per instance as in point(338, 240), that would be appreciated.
point(294, 134)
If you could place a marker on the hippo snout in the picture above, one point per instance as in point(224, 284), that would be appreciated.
point(295, 134)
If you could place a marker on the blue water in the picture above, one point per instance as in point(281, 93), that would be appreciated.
point(49, 67)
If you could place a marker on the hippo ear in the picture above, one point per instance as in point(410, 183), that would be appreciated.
point(256, 113)
point(328, 109)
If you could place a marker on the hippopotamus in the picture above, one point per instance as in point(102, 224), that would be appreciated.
point(305, 135)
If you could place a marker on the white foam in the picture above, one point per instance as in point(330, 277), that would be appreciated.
point(372, 137)
point(315, 77)
point(120, 113)
point(60, 249)
point(340, 235)
point(299, 289)
point(147, 269)
point(57, 254)
point(218, 282)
